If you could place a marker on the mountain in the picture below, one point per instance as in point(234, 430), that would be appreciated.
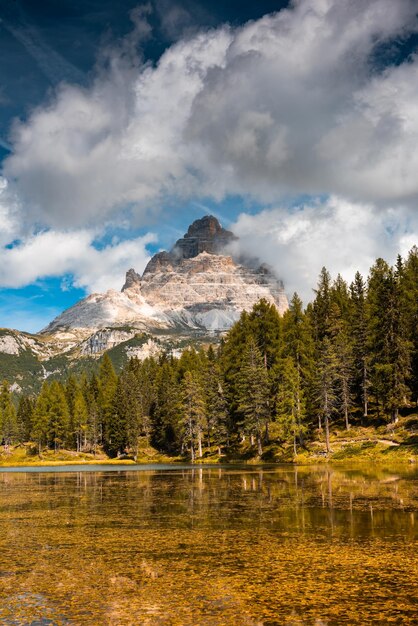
point(193, 292)
point(196, 287)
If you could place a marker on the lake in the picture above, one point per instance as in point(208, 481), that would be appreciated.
point(165, 545)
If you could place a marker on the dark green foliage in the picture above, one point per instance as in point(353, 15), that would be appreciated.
point(24, 417)
point(253, 393)
point(351, 357)
point(8, 419)
point(193, 413)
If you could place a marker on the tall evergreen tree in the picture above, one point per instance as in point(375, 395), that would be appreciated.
point(58, 415)
point(298, 344)
point(79, 419)
point(388, 342)
point(194, 413)
point(217, 414)
point(24, 417)
point(8, 419)
point(408, 292)
point(291, 407)
point(359, 333)
point(108, 381)
point(254, 393)
point(327, 377)
point(40, 417)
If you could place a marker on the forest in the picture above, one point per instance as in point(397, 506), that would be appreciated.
point(350, 357)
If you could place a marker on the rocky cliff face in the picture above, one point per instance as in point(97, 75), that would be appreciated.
point(196, 286)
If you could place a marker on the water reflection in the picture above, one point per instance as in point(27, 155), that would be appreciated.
point(208, 546)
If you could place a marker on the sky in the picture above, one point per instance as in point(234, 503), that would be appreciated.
point(295, 123)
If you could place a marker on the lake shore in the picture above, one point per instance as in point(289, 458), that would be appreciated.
point(362, 447)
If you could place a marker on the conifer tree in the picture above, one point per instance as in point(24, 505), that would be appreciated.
point(71, 388)
point(358, 328)
point(166, 410)
point(265, 327)
point(290, 406)
point(254, 393)
point(58, 415)
point(408, 293)
point(217, 418)
point(299, 345)
point(24, 417)
point(80, 419)
point(388, 343)
point(40, 417)
point(320, 308)
point(108, 381)
point(343, 350)
point(193, 413)
point(8, 419)
point(327, 377)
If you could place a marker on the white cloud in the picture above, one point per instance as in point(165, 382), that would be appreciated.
point(344, 236)
point(55, 253)
point(287, 104)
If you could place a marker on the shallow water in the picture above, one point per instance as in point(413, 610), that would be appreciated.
point(208, 546)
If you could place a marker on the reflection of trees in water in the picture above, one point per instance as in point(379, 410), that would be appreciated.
point(305, 500)
point(217, 542)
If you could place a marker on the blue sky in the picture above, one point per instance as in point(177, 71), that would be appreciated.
point(120, 123)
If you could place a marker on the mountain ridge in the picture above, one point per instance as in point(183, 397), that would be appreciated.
point(191, 293)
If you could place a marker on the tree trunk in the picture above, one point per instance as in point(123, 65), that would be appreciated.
point(199, 446)
point(327, 433)
point(365, 398)
point(347, 423)
point(259, 446)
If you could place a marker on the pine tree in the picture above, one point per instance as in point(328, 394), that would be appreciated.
point(71, 388)
point(388, 341)
point(24, 417)
point(8, 420)
point(254, 393)
point(320, 308)
point(91, 394)
point(298, 344)
point(338, 329)
point(165, 413)
point(408, 293)
point(80, 419)
point(265, 327)
point(40, 417)
point(58, 415)
point(290, 406)
point(108, 381)
point(217, 418)
point(193, 413)
point(358, 328)
point(327, 377)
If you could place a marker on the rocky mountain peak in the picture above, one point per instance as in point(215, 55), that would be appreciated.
point(196, 287)
point(132, 279)
point(204, 235)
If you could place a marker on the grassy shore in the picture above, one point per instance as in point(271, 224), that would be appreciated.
point(386, 445)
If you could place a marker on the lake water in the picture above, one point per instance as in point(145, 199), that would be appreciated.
point(208, 546)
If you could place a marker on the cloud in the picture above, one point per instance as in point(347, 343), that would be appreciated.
point(74, 253)
point(291, 103)
point(344, 236)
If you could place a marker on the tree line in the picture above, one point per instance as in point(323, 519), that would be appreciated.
point(350, 357)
